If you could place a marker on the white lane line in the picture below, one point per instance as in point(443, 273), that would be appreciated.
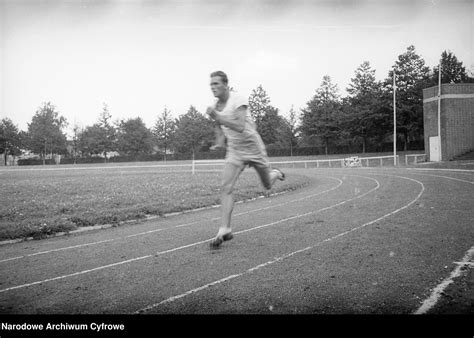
point(281, 258)
point(425, 174)
point(436, 294)
point(70, 247)
point(313, 212)
point(180, 225)
point(178, 248)
point(283, 219)
point(55, 250)
point(74, 274)
point(292, 201)
point(448, 177)
point(441, 169)
point(159, 253)
point(11, 259)
point(172, 299)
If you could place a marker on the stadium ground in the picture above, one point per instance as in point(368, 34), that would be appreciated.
point(353, 241)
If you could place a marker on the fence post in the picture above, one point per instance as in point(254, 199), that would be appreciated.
point(381, 164)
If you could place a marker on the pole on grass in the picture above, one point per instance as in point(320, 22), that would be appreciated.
point(394, 121)
point(439, 110)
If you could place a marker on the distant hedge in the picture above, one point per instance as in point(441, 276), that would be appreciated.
point(31, 161)
point(138, 158)
point(272, 152)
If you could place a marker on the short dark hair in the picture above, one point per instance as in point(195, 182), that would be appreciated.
point(222, 75)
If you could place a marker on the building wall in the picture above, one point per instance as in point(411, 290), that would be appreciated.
point(459, 126)
point(457, 118)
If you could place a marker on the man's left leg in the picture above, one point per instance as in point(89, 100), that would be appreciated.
point(268, 175)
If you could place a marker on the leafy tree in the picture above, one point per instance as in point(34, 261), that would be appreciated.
point(45, 132)
point(10, 139)
point(75, 141)
point(193, 132)
point(320, 118)
point(364, 116)
point(134, 138)
point(89, 140)
point(101, 137)
point(289, 130)
point(163, 131)
point(259, 104)
point(364, 83)
point(107, 138)
point(412, 75)
point(452, 70)
point(270, 127)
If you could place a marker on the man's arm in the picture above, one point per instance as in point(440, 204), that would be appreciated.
point(235, 122)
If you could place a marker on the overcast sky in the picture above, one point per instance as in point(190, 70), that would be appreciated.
point(142, 56)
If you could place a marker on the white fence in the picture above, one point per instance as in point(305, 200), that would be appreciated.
point(376, 161)
point(416, 157)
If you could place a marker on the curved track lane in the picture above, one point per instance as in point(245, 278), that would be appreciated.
point(354, 241)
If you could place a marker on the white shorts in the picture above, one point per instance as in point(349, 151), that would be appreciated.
point(258, 160)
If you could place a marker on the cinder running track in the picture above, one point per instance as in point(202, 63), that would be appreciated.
point(353, 241)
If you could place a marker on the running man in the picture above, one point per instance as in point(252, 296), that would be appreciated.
point(244, 147)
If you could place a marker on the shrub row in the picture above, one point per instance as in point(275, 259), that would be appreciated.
point(272, 152)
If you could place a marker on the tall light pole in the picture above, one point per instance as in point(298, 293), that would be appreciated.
point(394, 121)
point(439, 111)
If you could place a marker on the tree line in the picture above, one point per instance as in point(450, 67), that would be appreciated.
point(361, 119)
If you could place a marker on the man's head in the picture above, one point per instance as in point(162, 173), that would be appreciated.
point(219, 83)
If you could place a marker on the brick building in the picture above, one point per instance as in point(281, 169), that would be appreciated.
point(457, 120)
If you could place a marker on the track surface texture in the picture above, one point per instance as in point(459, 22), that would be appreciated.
point(354, 241)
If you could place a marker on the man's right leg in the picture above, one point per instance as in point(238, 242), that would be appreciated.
point(230, 175)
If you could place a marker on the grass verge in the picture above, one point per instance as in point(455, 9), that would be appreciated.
point(41, 203)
